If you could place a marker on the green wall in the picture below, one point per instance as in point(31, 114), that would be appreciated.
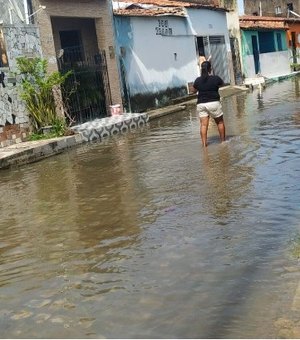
point(247, 41)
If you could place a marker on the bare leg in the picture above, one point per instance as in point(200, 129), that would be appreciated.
point(221, 127)
point(203, 129)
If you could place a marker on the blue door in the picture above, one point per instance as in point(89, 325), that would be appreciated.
point(255, 54)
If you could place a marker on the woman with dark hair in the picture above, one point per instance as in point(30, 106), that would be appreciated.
point(208, 103)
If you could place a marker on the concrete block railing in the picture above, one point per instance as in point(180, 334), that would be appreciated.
point(105, 127)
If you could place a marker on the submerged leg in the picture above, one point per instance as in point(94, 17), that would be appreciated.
point(204, 121)
point(221, 127)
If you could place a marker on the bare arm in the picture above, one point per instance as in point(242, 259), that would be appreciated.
point(193, 90)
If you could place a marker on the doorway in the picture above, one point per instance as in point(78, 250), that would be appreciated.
point(201, 47)
point(215, 47)
point(86, 91)
point(70, 42)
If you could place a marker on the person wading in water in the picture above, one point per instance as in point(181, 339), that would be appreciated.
point(208, 103)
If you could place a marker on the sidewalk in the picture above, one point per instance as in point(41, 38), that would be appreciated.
point(28, 152)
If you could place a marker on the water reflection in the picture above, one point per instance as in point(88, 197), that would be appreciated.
point(150, 235)
point(227, 178)
point(260, 100)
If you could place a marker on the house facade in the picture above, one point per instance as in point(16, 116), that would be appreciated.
point(158, 45)
point(78, 35)
point(270, 45)
point(16, 39)
point(287, 9)
point(271, 8)
point(293, 39)
point(72, 35)
point(265, 50)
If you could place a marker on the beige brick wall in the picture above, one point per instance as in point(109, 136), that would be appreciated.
point(42, 19)
point(100, 13)
point(13, 134)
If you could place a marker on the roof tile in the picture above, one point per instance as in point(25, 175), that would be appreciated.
point(160, 5)
point(259, 22)
point(142, 12)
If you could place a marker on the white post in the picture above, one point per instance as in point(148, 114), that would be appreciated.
point(26, 11)
point(296, 14)
point(10, 15)
point(260, 9)
point(38, 10)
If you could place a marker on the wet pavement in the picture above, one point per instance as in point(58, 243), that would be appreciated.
point(149, 235)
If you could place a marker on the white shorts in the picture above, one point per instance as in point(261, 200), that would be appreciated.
point(212, 109)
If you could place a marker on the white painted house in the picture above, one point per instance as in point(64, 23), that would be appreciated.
point(158, 45)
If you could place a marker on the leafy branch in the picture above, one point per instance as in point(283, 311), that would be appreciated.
point(40, 91)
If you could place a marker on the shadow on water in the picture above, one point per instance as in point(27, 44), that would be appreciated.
point(149, 235)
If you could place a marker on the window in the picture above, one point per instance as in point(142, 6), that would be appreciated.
point(266, 42)
point(3, 55)
point(279, 42)
point(217, 39)
point(290, 6)
point(278, 10)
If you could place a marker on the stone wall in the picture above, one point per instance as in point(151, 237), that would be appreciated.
point(14, 121)
point(12, 13)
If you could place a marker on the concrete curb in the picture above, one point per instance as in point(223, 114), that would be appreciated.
point(225, 91)
point(28, 152)
point(165, 111)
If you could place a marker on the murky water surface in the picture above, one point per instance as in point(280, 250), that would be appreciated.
point(148, 236)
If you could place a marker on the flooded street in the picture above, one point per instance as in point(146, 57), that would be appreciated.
point(150, 236)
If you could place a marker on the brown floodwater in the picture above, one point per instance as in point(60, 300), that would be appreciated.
point(149, 236)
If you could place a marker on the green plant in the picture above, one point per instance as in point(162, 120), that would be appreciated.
point(37, 136)
point(295, 67)
point(40, 91)
point(59, 128)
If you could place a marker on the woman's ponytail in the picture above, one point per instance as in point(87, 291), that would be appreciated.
point(205, 69)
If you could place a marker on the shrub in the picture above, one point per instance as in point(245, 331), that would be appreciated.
point(295, 67)
point(39, 90)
